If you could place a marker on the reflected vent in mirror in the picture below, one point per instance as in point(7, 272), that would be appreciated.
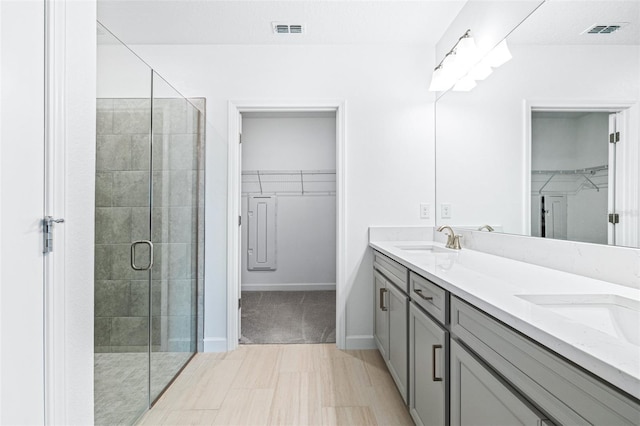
point(284, 28)
point(604, 28)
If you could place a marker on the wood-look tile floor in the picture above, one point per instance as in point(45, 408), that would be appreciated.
point(282, 385)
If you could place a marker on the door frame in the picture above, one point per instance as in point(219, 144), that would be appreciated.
point(559, 105)
point(70, 131)
point(235, 108)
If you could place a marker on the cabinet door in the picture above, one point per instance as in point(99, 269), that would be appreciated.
point(381, 332)
point(427, 369)
point(479, 397)
point(398, 357)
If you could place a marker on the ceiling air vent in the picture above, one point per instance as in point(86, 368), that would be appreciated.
point(283, 28)
point(604, 28)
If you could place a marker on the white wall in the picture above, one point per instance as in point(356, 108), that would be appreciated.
point(481, 147)
point(287, 141)
point(305, 224)
point(389, 142)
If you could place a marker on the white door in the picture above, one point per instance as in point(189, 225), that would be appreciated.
point(555, 211)
point(21, 211)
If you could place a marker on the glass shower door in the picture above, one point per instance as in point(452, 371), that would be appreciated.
point(175, 207)
point(122, 206)
point(148, 233)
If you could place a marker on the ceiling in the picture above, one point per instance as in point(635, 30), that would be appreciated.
point(250, 22)
point(563, 21)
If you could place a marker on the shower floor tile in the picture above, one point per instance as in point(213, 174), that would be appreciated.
point(121, 381)
point(288, 317)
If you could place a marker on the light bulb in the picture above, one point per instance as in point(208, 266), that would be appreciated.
point(499, 55)
point(466, 47)
point(480, 71)
point(464, 84)
point(455, 65)
point(441, 80)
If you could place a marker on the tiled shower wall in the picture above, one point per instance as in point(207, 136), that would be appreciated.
point(122, 216)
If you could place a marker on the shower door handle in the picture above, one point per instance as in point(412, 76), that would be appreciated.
point(133, 255)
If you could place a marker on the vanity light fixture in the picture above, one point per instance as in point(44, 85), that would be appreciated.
point(465, 64)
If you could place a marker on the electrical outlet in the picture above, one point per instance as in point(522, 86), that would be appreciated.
point(425, 211)
point(445, 211)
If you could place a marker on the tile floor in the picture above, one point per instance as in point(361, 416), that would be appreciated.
point(121, 382)
point(288, 317)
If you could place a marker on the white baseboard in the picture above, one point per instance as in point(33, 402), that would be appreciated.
point(289, 287)
point(215, 344)
point(360, 342)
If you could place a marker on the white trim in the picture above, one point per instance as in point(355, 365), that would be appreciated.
point(358, 342)
point(215, 344)
point(555, 105)
point(289, 287)
point(233, 204)
point(54, 263)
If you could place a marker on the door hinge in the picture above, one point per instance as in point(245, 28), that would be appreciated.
point(47, 228)
point(239, 137)
point(239, 220)
point(240, 303)
point(614, 218)
point(614, 137)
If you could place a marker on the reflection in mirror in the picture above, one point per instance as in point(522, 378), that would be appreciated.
point(570, 175)
point(498, 152)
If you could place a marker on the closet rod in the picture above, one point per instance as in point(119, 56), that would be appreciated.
point(585, 171)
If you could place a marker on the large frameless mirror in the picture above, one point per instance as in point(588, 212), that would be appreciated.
point(548, 145)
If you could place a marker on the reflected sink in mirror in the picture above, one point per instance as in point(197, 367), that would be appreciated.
point(425, 248)
point(614, 315)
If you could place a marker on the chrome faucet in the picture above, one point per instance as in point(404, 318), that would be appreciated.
point(487, 227)
point(453, 240)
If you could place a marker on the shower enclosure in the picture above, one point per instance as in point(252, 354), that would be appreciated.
point(148, 233)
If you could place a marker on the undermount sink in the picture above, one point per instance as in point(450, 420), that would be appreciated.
point(615, 315)
point(424, 248)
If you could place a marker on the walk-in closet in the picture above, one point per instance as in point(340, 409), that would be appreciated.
point(288, 227)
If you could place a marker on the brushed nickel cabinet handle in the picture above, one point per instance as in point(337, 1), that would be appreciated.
point(382, 292)
point(433, 363)
point(419, 293)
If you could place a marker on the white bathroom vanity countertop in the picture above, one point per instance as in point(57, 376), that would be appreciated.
point(593, 323)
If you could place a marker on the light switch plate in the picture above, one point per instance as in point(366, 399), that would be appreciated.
point(445, 211)
point(425, 211)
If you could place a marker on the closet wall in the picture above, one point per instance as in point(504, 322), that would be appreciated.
point(305, 235)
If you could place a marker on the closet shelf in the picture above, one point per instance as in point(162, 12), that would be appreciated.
point(569, 182)
point(289, 182)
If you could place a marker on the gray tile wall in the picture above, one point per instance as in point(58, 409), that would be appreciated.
point(123, 177)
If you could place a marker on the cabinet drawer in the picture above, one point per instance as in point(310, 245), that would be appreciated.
point(392, 270)
point(566, 393)
point(429, 296)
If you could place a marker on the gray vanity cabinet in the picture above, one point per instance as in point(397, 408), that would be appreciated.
point(567, 394)
point(428, 343)
point(391, 310)
point(381, 324)
point(480, 398)
point(398, 357)
point(457, 365)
